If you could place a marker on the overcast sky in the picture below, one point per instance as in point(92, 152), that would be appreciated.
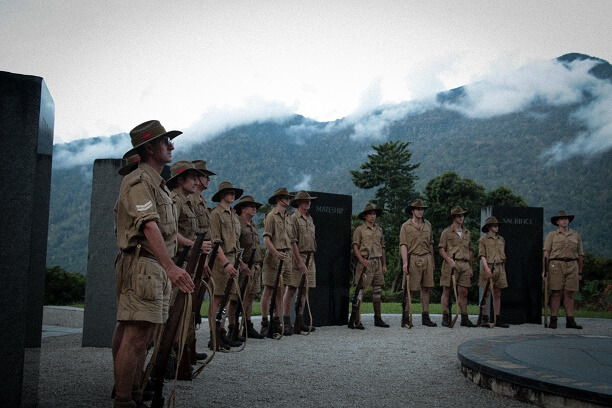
point(110, 65)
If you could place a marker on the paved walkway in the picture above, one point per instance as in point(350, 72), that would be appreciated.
point(332, 367)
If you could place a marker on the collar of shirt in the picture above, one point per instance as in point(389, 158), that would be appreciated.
point(157, 178)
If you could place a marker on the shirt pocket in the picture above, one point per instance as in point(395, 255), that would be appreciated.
point(165, 208)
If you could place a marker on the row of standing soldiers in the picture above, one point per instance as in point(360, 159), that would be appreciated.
point(154, 218)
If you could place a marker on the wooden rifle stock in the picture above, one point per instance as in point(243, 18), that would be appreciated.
point(199, 291)
point(243, 287)
point(170, 328)
point(485, 295)
point(358, 295)
point(453, 282)
point(226, 292)
point(407, 301)
point(297, 329)
point(270, 333)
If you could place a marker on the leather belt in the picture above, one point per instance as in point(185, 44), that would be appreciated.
point(143, 252)
point(564, 259)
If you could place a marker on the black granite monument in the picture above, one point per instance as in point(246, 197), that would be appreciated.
point(522, 229)
point(329, 301)
point(27, 115)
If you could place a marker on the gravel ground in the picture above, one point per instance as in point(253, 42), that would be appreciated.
point(332, 367)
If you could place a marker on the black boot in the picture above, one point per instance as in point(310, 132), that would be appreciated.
point(570, 323)
point(466, 322)
point(226, 340)
point(445, 319)
point(426, 321)
point(378, 321)
point(500, 323)
point(264, 327)
point(277, 326)
point(234, 335)
point(288, 328)
point(251, 332)
point(553, 322)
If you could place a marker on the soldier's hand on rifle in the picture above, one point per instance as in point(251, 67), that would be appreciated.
point(230, 270)
point(384, 270)
point(244, 268)
point(488, 273)
point(405, 268)
point(303, 269)
point(281, 256)
point(206, 246)
point(364, 262)
point(452, 263)
point(180, 278)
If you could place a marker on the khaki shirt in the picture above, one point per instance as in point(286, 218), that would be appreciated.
point(202, 213)
point(144, 197)
point(418, 241)
point(561, 246)
point(453, 244)
point(187, 221)
point(277, 227)
point(225, 227)
point(249, 240)
point(303, 232)
point(493, 248)
point(369, 240)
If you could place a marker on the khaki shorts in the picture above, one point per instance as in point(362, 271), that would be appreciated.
point(296, 274)
point(498, 278)
point(563, 275)
point(270, 268)
point(143, 289)
point(373, 276)
point(462, 274)
point(220, 277)
point(421, 272)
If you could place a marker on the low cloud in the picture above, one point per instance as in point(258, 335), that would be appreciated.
point(304, 184)
point(84, 152)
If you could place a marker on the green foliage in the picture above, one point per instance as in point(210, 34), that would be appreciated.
point(596, 288)
point(504, 196)
point(63, 288)
point(389, 170)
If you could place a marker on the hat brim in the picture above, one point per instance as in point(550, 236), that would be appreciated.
point(410, 208)
point(362, 214)
point(272, 200)
point(247, 204)
point(295, 201)
point(460, 213)
point(217, 197)
point(171, 182)
point(554, 219)
point(127, 169)
point(171, 134)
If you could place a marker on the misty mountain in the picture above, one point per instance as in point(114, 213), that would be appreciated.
point(544, 131)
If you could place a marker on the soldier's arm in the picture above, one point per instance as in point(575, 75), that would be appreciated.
point(178, 276)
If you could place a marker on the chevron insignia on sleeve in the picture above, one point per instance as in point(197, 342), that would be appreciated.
point(144, 207)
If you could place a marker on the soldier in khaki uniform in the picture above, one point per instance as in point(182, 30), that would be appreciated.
point(225, 228)
point(563, 255)
point(491, 250)
point(416, 240)
point(184, 182)
point(303, 231)
point(246, 209)
point(369, 249)
point(199, 203)
point(456, 248)
point(146, 228)
point(277, 239)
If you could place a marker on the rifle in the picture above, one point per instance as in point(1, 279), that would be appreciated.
point(298, 302)
point(546, 294)
point(454, 283)
point(356, 303)
point(270, 333)
point(407, 300)
point(243, 287)
point(175, 315)
point(220, 316)
point(485, 296)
